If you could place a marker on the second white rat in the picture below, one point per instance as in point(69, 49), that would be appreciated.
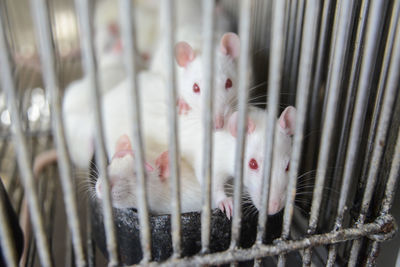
point(123, 183)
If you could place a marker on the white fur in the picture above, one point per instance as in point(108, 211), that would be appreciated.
point(124, 185)
point(189, 29)
point(146, 14)
point(224, 168)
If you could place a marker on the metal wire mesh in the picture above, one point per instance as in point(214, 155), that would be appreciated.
point(336, 61)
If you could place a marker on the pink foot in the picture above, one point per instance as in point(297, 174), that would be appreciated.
point(162, 162)
point(183, 107)
point(226, 205)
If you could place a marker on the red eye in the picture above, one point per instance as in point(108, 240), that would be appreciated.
point(287, 167)
point(196, 88)
point(253, 164)
point(228, 84)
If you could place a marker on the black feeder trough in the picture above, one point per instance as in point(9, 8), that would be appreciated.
point(128, 233)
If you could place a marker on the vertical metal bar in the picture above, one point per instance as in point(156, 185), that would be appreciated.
point(90, 246)
point(167, 9)
point(208, 69)
point(90, 69)
point(6, 236)
point(244, 32)
point(336, 77)
point(47, 54)
point(350, 97)
point(25, 167)
point(296, 51)
point(275, 83)
point(364, 86)
point(390, 190)
point(129, 45)
point(393, 179)
point(309, 40)
point(320, 67)
point(382, 130)
point(373, 254)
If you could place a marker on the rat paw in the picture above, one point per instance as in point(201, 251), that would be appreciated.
point(226, 206)
point(183, 107)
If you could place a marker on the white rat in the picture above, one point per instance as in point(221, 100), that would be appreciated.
point(188, 55)
point(224, 155)
point(123, 184)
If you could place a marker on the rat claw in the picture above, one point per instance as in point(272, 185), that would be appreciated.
point(226, 206)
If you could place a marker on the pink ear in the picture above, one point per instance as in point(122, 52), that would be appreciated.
point(123, 147)
point(232, 124)
point(162, 162)
point(287, 120)
point(183, 54)
point(230, 44)
point(123, 143)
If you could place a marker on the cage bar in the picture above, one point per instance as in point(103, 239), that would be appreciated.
point(314, 114)
point(9, 86)
point(6, 239)
point(90, 69)
point(295, 61)
point(244, 32)
point(304, 83)
point(364, 86)
point(381, 225)
point(208, 69)
point(129, 46)
point(351, 93)
point(336, 76)
point(382, 129)
point(168, 14)
point(275, 82)
point(391, 185)
point(45, 43)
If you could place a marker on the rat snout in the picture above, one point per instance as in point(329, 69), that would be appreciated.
point(219, 122)
point(99, 187)
point(274, 206)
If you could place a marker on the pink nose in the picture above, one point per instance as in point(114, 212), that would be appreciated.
point(219, 122)
point(99, 191)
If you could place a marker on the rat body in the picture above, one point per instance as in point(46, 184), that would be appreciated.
point(123, 183)
point(224, 156)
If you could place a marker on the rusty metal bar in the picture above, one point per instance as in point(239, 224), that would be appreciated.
point(383, 125)
point(91, 73)
point(208, 69)
point(47, 53)
point(23, 157)
point(129, 46)
point(381, 225)
point(390, 190)
point(304, 83)
point(364, 86)
point(244, 32)
point(275, 83)
point(167, 10)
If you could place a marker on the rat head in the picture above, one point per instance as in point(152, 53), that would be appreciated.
point(122, 175)
point(254, 156)
point(191, 81)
